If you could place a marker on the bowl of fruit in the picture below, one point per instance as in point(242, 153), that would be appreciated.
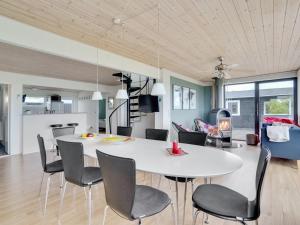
point(88, 136)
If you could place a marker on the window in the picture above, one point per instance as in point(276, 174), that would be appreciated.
point(278, 107)
point(34, 100)
point(67, 101)
point(233, 106)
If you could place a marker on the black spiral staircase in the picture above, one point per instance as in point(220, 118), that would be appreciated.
point(133, 112)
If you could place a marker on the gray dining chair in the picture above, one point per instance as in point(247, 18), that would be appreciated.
point(48, 168)
point(75, 172)
point(124, 131)
point(61, 131)
point(227, 204)
point(157, 134)
point(123, 196)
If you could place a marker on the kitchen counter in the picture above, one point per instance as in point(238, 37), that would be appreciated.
point(34, 124)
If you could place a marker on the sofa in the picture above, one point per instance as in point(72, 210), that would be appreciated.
point(285, 150)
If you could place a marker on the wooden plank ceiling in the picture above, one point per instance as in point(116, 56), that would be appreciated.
point(262, 36)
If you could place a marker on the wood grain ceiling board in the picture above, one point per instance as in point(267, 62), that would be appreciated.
point(260, 35)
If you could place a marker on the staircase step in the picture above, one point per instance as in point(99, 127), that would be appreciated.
point(133, 89)
point(131, 117)
point(134, 104)
point(134, 110)
point(134, 97)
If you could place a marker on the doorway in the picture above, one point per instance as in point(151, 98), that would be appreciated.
point(251, 104)
point(4, 106)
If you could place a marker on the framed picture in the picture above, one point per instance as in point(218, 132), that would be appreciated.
point(185, 98)
point(110, 102)
point(177, 97)
point(193, 99)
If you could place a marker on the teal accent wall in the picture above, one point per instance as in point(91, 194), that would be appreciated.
point(102, 109)
point(186, 117)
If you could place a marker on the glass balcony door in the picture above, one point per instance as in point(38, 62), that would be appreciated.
point(240, 100)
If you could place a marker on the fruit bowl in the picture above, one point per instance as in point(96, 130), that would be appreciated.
point(88, 135)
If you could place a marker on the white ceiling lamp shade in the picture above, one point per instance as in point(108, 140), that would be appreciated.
point(122, 93)
point(158, 88)
point(97, 94)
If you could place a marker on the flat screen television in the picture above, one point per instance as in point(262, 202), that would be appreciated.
point(148, 103)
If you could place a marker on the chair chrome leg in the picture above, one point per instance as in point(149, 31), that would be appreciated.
point(159, 182)
point(173, 214)
point(177, 201)
point(47, 192)
point(62, 180)
point(195, 215)
point(206, 181)
point(184, 201)
point(104, 214)
point(62, 199)
point(41, 184)
point(139, 222)
point(84, 189)
point(90, 204)
point(256, 222)
point(193, 189)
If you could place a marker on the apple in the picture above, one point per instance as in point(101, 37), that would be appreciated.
point(90, 135)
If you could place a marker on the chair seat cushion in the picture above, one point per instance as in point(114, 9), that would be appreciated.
point(179, 179)
point(221, 201)
point(148, 201)
point(54, 167)
point(91, 175)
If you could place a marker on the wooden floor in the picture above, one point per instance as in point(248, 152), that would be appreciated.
point(20, 204)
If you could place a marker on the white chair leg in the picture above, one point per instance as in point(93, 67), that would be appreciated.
point(195, 217)
point(62, 180)
point(184, 203)
point(41, 184)
point(62, 198)
point(104, 214)
point(90, 204)
point(159, 182)
point(84, 189)
point(173, 214)
point(47, 192)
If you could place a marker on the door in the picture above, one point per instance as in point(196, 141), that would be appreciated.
point(277, 101)
point(240, 100)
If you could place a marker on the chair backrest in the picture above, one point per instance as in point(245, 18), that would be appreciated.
point(62, 131)
point(178, 128)
point(119, 178)
point(73, 160)
point(264, 159)
point(194, 138)
point(124, 131)
point(42, 151)
point(157, 134)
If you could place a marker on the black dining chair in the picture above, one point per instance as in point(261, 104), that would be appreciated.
point(227, 204)
point(124, 131)
point(157, 134)
point(193, 138)
point(75, 172)
point(48, 168)
point(123, 196)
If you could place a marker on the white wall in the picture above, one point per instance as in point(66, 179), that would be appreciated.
point(16, 82)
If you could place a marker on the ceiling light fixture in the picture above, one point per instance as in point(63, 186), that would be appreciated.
point(158, 88)
point(97, 94)
point(122, 93)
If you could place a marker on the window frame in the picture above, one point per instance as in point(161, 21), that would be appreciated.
point(238, 106)
point(290, 108)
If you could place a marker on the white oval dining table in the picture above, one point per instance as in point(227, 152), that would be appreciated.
point(152, 156)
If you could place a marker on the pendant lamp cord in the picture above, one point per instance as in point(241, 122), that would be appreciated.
point(98, 67)
point(158, 53)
